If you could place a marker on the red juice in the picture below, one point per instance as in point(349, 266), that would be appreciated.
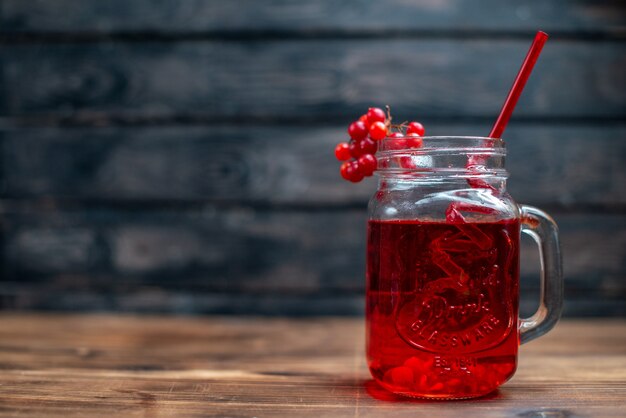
point(442, 306)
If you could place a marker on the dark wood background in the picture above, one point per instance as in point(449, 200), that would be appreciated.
point(170, 156)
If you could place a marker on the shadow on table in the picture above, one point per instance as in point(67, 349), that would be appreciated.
point(374, 390)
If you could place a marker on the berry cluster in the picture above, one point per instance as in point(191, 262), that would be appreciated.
point(358, 155)
point(421, 376)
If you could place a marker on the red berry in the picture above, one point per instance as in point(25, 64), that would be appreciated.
point(368, 146)
point(357, 130)
point(354, 149)
point(346, 170)
point(396, 135)
point(368, 164)
point(342, 151)
point(407, 162)
point(378, 131)
point(351, 171)
point(363, 119)
point(395, 144)
point(403, 376)
point(356, 174)
point(416, 128)
point(375, 114)
point(414, 141)
point(416, 364)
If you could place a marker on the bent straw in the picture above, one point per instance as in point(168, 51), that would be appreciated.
point(518, 84)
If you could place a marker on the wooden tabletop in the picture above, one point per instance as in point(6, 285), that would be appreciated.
point(97, 365)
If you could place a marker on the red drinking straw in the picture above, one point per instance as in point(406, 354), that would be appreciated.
point(518, 84)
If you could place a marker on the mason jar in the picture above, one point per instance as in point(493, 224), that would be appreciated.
point(443, 241)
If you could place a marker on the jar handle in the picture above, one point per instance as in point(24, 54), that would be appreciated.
point(542, 228)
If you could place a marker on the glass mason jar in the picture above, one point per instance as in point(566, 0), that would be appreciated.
point(443, 269)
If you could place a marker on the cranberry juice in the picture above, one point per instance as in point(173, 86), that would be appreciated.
point(442, 306)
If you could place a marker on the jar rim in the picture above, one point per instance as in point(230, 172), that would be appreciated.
point(427, 144)
point(462, 137)
point(467, 156)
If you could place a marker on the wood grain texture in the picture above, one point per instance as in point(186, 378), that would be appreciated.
point(73, 366)
point(199, 16)
point(165, 156)
point(313, 79)
point(550, 165)
point(268, 262)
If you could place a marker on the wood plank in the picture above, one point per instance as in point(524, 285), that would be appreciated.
point(550, 164)
point(313, 80)
point(244, 261)
point(199, 16)
point(151, 299)
point(70, 366)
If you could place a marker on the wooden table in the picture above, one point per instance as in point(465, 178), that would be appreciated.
point(115, 366)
